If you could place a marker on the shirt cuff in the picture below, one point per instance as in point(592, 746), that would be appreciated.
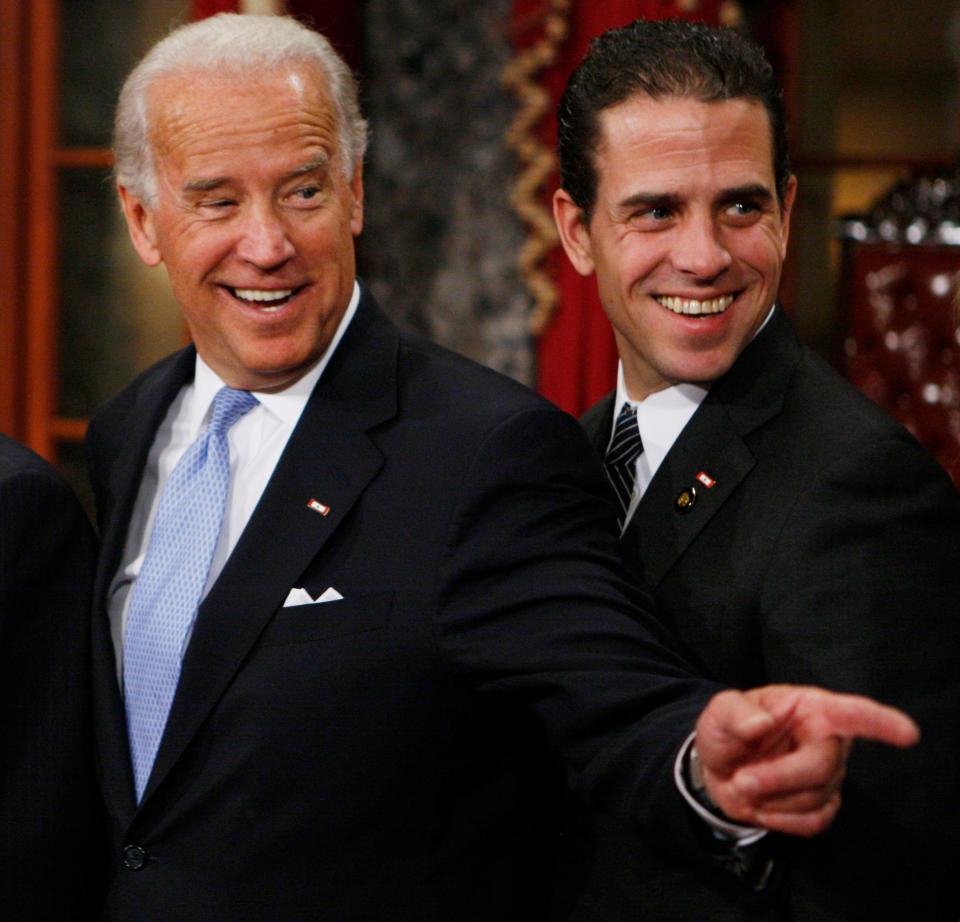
point(721, 827)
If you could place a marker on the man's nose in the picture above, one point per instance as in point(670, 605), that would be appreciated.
point(264, 241)
point(699, 249)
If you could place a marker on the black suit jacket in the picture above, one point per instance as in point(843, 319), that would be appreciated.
point(828, 553)
point(391, 755)
point(49, 804)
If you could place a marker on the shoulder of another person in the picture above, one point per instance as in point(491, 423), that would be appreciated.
point(16, 460)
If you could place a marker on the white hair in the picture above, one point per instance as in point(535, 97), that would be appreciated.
point(234, 44)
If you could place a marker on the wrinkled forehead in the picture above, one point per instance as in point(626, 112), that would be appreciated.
point(179, 105)
point(678, 131)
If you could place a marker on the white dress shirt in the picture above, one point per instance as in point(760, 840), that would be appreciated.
point(256, 442)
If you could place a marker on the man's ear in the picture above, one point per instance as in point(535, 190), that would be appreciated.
point(141, 225)
point(356, 209)
point(786, 209)
point(574, 233)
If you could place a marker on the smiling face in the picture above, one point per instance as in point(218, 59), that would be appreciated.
point(687, 237)
point(254, 219)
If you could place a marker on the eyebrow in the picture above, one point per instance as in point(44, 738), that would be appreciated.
point(311, 166)
point(215, 182)
point(205, 185)
point(650, 200)
point(754, 191)
point(671, 201)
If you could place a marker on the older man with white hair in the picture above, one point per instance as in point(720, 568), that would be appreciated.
point(359, 599)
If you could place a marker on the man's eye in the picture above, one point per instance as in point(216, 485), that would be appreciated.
point(219, 204)
point(743, 208)
point(655, 214)
point(306, 193)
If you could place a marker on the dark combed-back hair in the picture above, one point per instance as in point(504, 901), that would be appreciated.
point(667, 58)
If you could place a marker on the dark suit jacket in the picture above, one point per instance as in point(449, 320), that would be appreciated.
point(828, 553)
point(390, 755)
point(49, 805)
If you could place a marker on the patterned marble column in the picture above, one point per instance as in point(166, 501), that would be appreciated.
point(440, 242)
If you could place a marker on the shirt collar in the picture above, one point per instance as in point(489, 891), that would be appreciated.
point(285, 405)
point(661, 417)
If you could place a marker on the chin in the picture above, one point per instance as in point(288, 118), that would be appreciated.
point(704, 372)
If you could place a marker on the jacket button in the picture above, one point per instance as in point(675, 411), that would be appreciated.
point(134, 857)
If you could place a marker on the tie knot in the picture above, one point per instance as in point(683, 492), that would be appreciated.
point(228, 406)
point(625, 446)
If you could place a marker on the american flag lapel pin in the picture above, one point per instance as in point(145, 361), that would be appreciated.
point(317, 506)
point(704, 478)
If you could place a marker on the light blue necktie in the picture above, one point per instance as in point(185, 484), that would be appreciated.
point(168, 590)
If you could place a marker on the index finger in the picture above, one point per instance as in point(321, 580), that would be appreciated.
point(825, 714)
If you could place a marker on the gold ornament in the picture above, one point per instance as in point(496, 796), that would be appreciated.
point(731, 14)
point(537, 160)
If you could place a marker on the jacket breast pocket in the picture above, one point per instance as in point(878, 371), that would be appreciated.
point(327, 620)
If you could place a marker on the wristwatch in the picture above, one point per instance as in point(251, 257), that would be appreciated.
point(698, 784)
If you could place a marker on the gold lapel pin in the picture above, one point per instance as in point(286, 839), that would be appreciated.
point(686, 499)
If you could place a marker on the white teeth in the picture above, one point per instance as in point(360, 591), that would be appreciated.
point(257, 294)
point(692, 307)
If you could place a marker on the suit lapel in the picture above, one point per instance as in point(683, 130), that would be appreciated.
point(329, 458)
point(713, 443)
point(659, 531)
point(133, 434)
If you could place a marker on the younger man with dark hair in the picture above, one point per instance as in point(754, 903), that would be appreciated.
point(792, 532)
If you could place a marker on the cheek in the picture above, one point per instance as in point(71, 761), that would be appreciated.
point(318, 241)
point(644, 259)
point(764, 251)
point(626, 276)
point(192, 249)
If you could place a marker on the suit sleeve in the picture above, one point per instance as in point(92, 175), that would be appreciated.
point(863, 596)
point(534, 607)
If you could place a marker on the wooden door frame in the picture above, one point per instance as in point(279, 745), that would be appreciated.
point(12, 156)
point(40, 374)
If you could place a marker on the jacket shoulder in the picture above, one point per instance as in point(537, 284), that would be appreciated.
point(16, 459)
point(827, 407)
point(449, 383)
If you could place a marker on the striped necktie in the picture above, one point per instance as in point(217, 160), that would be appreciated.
point(621, 459)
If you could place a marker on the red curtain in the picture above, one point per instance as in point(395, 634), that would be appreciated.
point(576, 355)
point(204, 8)
point(339, 20)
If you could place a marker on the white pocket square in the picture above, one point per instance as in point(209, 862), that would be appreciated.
point(297, 596)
